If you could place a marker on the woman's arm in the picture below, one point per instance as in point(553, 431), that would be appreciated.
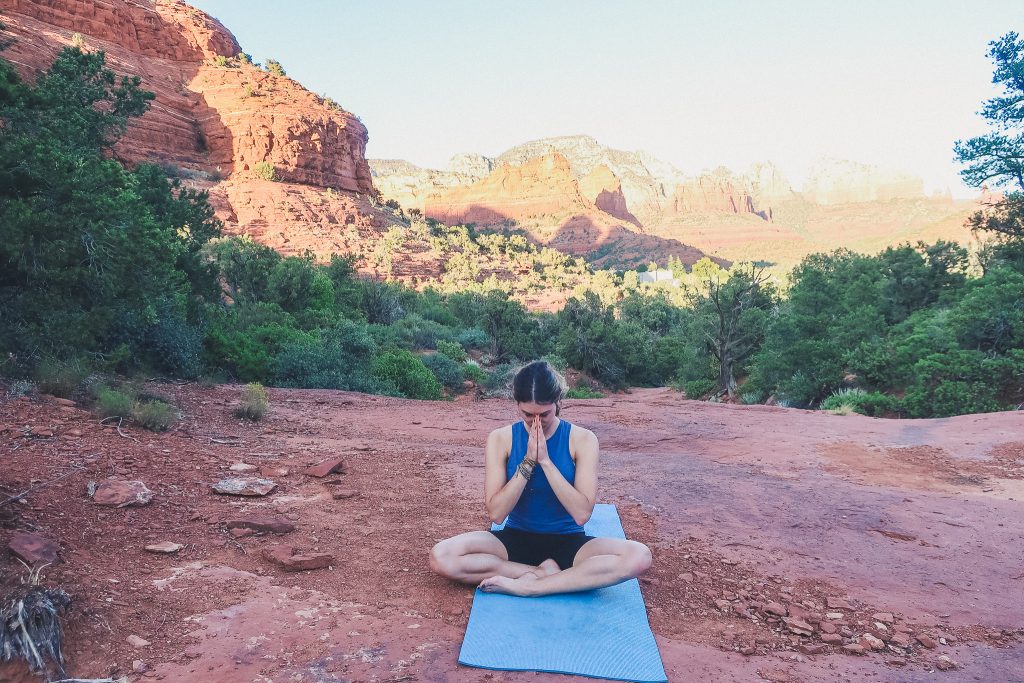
point(578, 498)
point(500, 493)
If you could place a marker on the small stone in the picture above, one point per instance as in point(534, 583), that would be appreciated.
point(884, 617)
point(34, 549)
point(137, 642)
point(776, 609)
point(244, 486)
point(837, 603)
point(798, 626)
point(329, 466)
point(944, 663)
point(241, 533)
point(64, 402)
point(900, 639)
point(41, 432)
point(809, 649)
point(341, 494)
point(853, 649)
point(927, 641)
point(291, 559)
point(870, 641)
point(139, 666)
point(834, 615)
point(832, 638)
point(265, 524)
point(827, 627)
point(896, 661)
point(74, 432)
point(747, 651)
point(723, 605)
point(122, 494)
point(243, 467)
point(166, 547)
point(271, 472)
point(687, 577)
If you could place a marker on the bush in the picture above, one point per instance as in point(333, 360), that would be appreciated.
point(698, 388)
point(155, 416)
point(114, 403)
point(473, 338)
point(59, 378)
point(452, 350)
point(447, 371)
point(873, 404)
point(274, 67)
point(583, 392)
point(265, 170)
point(254, 402)
point(474, 372)
point(407, 372)
point(499, 382)
point(20, 388)
point(339, 358)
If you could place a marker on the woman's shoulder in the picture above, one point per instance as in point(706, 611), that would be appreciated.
point(581, 435)
point(501, 435)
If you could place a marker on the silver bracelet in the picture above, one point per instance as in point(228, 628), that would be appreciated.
point(525, 470)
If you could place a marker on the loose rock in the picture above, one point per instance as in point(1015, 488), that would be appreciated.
point(927, 641)
point(776, 609)
point(264, 524)
point(293, 560)
point(945, 663)
point(329, 466)
point(798, 626)
point(341, 494)
point(832, 638)
point(33, 548)
point(137, 642)
point(884, 617)
point(122, 494)
point(853, 649)
point(243, 467)
point(244, 486)
point(166, 547)
point(872, 642)
point(837, 603)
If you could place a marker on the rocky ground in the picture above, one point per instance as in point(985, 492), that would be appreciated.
point(789, 545)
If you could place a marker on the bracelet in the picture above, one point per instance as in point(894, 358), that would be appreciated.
point(526, 470)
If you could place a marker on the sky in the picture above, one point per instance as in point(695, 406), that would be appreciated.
point(697, 83)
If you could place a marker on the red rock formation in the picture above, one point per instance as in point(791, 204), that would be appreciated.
point(542, 186)
point(603, 188)
point(207, 118)
point(710, 192)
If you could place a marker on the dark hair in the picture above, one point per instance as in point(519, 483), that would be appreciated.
point(538, 382)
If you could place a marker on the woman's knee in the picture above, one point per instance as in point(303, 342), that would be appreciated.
point(442, 558)
point(637, 559)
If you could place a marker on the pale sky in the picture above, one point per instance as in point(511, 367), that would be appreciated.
point(698, 84)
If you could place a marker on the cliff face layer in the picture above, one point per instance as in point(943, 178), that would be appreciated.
point(211, 119)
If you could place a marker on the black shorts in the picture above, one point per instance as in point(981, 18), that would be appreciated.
point(530, 548)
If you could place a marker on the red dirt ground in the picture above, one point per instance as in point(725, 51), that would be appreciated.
point(741, 505)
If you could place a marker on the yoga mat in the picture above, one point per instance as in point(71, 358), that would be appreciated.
point(601, 633)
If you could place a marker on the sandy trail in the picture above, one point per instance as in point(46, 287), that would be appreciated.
point(922, 519)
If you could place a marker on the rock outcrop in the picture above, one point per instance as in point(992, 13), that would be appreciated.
point(213, 115)
point(837, 181)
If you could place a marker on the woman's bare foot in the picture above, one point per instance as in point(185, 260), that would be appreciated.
point(502, 584)
point(545, 568)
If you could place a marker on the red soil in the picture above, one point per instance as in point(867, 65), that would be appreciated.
point(740, 504)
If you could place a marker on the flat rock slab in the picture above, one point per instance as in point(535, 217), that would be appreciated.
point(122, 493)
point(291, 559)
point(329, 466)
point(267, 524)
point(244, 486)
point(33, 548)
point(341, 494)
point(165, 547)
point(243, 467)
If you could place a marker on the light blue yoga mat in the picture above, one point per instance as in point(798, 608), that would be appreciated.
point(602, 633)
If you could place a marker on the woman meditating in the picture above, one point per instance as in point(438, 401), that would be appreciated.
point(541, 473)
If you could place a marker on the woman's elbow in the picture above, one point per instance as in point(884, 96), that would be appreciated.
point(583, 519)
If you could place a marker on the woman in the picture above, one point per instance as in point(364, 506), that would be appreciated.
point(541, 473)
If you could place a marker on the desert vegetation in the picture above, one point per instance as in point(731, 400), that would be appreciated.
point(123, 272)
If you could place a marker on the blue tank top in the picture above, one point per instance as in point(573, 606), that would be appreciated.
point(539, 509)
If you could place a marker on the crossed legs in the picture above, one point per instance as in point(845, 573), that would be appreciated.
point(478, 557)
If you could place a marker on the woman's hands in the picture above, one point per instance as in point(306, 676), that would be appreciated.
point(537, 445)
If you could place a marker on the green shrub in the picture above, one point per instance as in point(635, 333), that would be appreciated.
point(698, 388)
point(583, 392)
point(274, 67)
point(499, 381)
point(447, 371)
point(265, 170)
point(114, 403)
point(21, 387)
point(473, 338)
point(59, 378)
point(407, 372)
point(452, 350)
point(253, 405)
point(415, 332)
point(155, 416)
point(873, 404)
point(220, 60)
point(339, 358)
point(474, 372)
